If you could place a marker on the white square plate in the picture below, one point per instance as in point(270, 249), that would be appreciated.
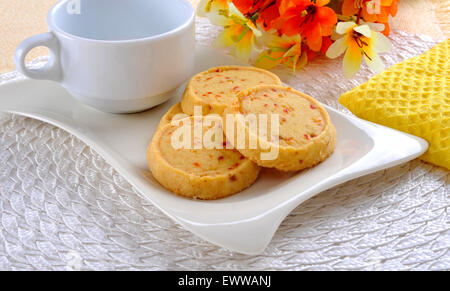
point(244, 222)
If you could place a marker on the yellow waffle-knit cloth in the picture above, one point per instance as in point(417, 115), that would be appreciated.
point(412, 96)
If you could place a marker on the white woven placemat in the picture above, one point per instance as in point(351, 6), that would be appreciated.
point(63, 207)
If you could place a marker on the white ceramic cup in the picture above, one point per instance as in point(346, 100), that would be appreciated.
point(118, 56)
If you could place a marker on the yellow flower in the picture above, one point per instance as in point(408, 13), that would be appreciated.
point(239, 33)
point(215, 10)
point(282, 50)
point(359, 41)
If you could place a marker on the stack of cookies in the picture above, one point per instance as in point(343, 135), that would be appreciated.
point(220, 103)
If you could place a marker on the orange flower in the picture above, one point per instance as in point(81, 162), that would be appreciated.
point(269, 15)
point(260, 11)
point(370, 12)
point(311, 19)
point(246, 6)
point(309, 53)
point(326, 43)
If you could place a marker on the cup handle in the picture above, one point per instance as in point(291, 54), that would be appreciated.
point(51, 70)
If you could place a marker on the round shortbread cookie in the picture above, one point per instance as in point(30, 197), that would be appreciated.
point(198, 173)
point(174, 111)
point(216, 88)
point(305, 134)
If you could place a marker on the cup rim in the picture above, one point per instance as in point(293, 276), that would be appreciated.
point(53, 27)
